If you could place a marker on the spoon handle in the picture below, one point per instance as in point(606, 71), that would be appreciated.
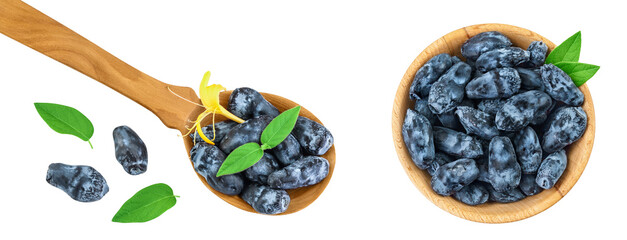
point(34, 29)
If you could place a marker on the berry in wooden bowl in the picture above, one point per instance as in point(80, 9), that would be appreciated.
point(455, 96)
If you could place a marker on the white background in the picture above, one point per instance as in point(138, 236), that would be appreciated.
point(342, 60)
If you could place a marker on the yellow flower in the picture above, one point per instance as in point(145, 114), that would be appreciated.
point(210, 97)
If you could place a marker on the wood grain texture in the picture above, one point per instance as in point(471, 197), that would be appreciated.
point(43, 34)
point(34, 29)
point(578, 153)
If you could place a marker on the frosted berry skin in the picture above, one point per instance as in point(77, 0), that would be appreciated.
point(530, 79)
point(264, 199)
point(537, 54)
point(450, 120)
point(288, 151)
point(482, 165)
point(484, 42)
point(453, 176)
point(439, 160)
point(81, 183)
point(456, 143)
point(551, 169)
point(248, 131)
point(498, 83)
point(560, 86)
point(422, 107)
point(207, 159)
point(427, 74)
point(528, 185)
point(247, 103)
point(565, 126)
point(519, 110)
point(418, 138)
point(260, 171)
point(314, 138)
point(222, 128)
point(509, 196)
point(130, 150)
point(491, 106)
point(477, 122)
point(503, 57)
point(528, 150)
point(473, 194)
point(448, 91)
point(503, 169)
point(307, 171)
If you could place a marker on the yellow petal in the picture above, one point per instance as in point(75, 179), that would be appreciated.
point(210, 97)
point(199, 130)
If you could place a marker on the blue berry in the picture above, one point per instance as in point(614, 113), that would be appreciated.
point(248, 131)
point(473, 194)
point(560, 86)
point(519, 110)
point(207, 159)
point(509, 196)
point(530, 79)
point(418, 138)
point(491, 106)
point(551, 169)
point(450, 120)
point(427, 74)
point(288, 151)
point(498, 83)
point(422, 107)
point(528, 185)
point(314, 138)
point(528, 150)
point(456, 143)
point(502, 57)
point(222, 128)
point(537, 54)
point(266, 200)
point(564, 127)
point(484, 42)
point(265, 166)
point(453, 176)
point(247, 103)
point(448, 91)
point(439, 160)
point(307, 171)
point(503, 169)
point(81, 183)
point(130, 150)
point(477, 122)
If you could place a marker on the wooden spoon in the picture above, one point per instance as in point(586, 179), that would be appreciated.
point(34, 29)
point(578, 152)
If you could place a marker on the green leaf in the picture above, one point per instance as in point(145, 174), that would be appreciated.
point(241, 158)
point(66, 120)
point(568, 51)
point(147, 204)
point(579, 72)
point(280, 127)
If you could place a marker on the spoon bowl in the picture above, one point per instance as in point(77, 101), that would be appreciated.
point(300, 198)
point(578, 153)
point(176, 106)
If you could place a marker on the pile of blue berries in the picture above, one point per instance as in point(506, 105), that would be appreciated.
point(294, 163)
point(492, 128)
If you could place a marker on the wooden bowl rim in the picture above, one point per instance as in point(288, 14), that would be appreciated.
point(300, 198)
point(487, 213)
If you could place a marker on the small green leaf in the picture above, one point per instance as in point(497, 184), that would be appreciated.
point(280, 127)
point(66, 120)
point(240, 159)
point(147, 204)
point(568, 51)
point(579, 72)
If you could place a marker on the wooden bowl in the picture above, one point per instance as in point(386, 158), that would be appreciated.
point(300, 197)
point(578, 152)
